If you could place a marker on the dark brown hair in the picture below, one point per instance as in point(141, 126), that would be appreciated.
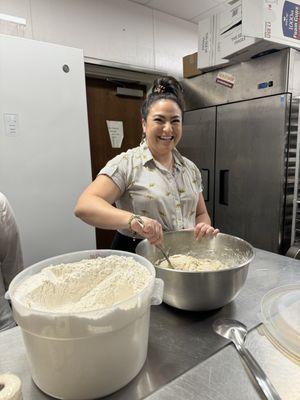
point(167, 88)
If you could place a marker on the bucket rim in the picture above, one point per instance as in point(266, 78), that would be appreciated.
point(108, 252)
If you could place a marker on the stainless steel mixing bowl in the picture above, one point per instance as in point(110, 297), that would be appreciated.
point(204, 290)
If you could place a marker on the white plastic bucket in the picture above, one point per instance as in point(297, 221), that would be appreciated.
point(86, 355)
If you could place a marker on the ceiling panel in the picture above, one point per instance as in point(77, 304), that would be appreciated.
point(190, 10)
point(182, 9)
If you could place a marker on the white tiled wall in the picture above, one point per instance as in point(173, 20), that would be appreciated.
point(110, 30)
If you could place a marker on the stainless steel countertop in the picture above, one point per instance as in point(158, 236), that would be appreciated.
point(181, 340)
point(224, 377)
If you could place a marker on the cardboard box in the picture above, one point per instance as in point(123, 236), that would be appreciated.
point(229, 37)
point(264, 26)
point(190, 65)
point(277, 21)
point(246, 29)
point(208, 57)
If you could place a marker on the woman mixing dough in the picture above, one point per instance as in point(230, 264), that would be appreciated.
point(154, 187)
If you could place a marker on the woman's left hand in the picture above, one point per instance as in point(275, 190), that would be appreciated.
point(203, 229)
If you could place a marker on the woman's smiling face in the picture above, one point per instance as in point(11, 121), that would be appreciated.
point(163, 127)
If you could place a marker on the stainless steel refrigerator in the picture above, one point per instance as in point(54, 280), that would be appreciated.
point(44, 144)
point(241, 129)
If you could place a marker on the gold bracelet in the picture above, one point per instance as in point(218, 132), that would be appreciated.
point(134, 216)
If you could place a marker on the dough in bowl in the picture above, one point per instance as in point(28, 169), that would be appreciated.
point(185, 262)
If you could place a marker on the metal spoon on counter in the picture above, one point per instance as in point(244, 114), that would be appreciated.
point(160, 248)
point(236, 332)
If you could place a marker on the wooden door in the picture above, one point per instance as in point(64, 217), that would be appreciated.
point(104, 104)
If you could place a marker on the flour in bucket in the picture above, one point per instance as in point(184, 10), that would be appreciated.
point(83, 286)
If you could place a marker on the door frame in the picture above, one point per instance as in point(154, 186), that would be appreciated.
point(121, 74)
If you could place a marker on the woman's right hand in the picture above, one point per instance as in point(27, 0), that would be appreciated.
point(151, 230)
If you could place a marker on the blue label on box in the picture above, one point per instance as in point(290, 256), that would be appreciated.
point(290, 20)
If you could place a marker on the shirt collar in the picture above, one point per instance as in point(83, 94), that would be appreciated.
point(147, 155)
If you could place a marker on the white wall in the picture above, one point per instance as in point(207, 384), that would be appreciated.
point(111, 30)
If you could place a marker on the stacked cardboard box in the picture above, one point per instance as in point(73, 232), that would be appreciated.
point(190, 65)
point(247, 29)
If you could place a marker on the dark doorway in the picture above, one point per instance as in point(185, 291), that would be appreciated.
point(104, 104)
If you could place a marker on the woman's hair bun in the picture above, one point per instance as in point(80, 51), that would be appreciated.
point(167, 84)
point(167, 88)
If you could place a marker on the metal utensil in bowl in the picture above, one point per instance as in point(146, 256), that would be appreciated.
point(159, 247)
point(166, 256)
point(236, 332)
point(203, 290)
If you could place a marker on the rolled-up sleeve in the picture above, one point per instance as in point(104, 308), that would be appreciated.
point(116, 169)
point(198, 179)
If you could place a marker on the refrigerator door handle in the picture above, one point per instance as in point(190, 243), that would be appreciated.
point(224, 184)
point(205, 181)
